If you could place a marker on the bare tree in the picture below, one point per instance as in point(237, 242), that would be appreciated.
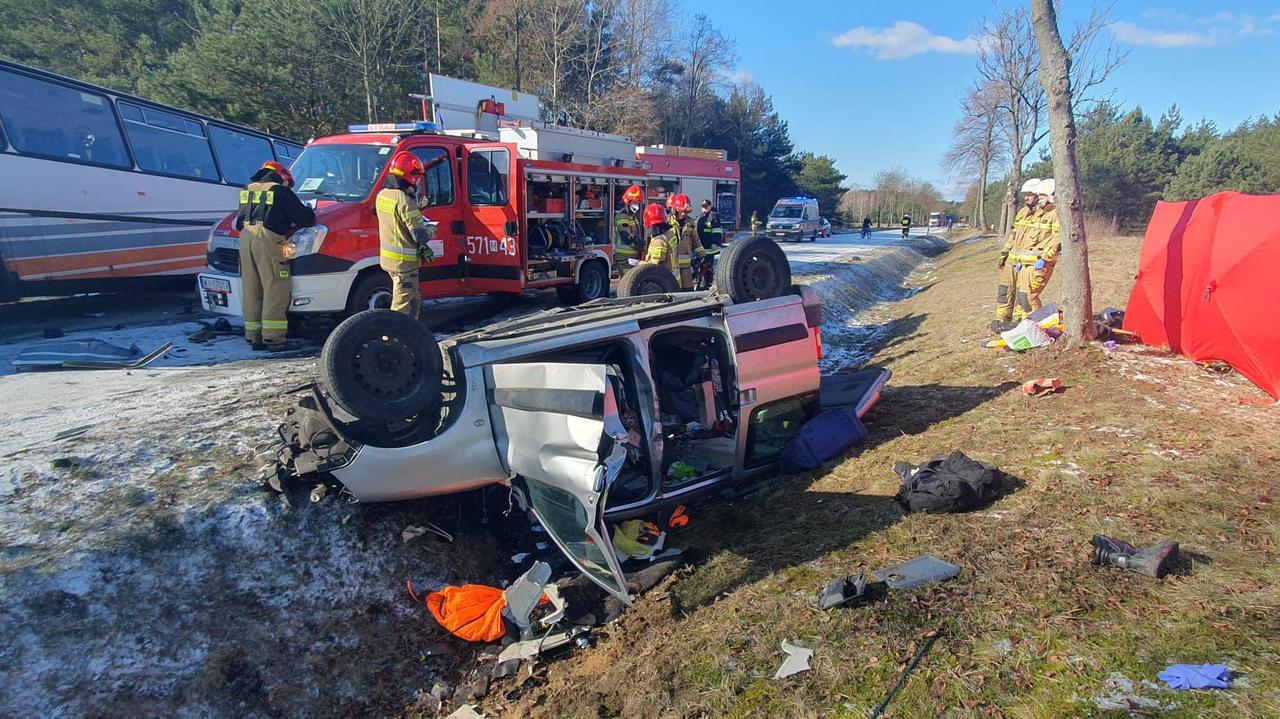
point(1055, 78)
point(976, 143)
point(708, 56)
point(370, 37)
point(1009, 59)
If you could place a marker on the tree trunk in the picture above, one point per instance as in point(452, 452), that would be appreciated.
point(439, 52)
point(368, 96)
point(1055, 78)
point(1011, 195)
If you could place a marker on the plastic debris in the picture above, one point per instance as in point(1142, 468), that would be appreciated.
point(1041, 387)
point(843, 591)
point(918, 571)
point(1196, 676)
point(797, 660)
point(466, 711)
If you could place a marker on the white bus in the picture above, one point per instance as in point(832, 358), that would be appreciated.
point(102, 191)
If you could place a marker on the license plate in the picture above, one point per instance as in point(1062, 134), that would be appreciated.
point(779, 234)
point(216, 285)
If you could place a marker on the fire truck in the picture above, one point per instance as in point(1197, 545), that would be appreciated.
point(517, 205)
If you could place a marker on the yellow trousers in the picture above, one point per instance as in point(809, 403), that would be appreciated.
point(406, 294)
point(264, 285)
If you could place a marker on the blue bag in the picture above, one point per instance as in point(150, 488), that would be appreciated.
point(821, 438)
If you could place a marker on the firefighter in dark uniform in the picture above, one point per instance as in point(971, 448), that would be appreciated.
point(906, 225)
point(688, 245)
point(269, 210)
point(402, 232)
point(628, 232)
point(709, 229)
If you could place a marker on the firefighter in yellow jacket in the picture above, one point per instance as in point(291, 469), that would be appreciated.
point(269, 210)
point(1009, 304)
point(663, 242)
point(1045, 245)
point(403, 233)
point(628, 235)
point(687, 242)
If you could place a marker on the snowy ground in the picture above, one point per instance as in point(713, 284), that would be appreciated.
point(144, 571)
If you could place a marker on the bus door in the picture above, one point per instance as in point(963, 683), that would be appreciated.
point(438, 198)
point(492, 260)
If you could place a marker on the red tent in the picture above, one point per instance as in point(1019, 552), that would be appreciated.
point(1208, 283)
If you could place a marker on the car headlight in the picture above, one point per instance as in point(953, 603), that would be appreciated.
point(306, 241)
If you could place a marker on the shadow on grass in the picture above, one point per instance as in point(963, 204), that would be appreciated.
point(914, 409)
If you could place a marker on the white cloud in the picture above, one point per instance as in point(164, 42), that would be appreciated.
point(902, 40)
point(1134, 35)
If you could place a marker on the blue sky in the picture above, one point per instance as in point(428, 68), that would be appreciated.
point(877, 84)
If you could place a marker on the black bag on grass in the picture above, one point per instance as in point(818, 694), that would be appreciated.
point(954, 483)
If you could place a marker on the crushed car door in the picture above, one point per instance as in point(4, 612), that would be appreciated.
point(557, 426)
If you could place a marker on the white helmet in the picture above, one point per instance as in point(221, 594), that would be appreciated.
point(1030, 186)
point(1046, 187)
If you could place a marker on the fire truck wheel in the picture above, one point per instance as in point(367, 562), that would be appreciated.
point(382, 365)
point(372, 291)
point(647, 280)
point(592, 284)
point(753, 269)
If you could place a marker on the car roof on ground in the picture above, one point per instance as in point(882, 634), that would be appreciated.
point(592, 313)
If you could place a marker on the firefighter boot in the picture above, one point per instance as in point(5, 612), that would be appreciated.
point(1152, 561)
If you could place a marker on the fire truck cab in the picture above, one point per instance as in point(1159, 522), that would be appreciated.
point(506, 219)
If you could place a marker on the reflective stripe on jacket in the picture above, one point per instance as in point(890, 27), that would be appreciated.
point(399, 219)
point(662, 251)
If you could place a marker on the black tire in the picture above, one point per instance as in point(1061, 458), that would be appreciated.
point(753, 269)
point(372, 291)
point(647, 280)
point(592, 284)
point(382, 365)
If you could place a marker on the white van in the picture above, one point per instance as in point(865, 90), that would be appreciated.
point(794, 218)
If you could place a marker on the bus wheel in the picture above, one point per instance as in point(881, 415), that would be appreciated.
point(372, 291)
point(382, 365)
point(647, 280)
point(592, 284)
point(753, 269)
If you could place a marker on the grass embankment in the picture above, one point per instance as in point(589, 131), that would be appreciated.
point(1139, 445)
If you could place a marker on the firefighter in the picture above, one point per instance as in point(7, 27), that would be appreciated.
point(269, 210)
point(709, 230)
point(755, 224)
point(688, 245)
point(906, 225)
point(663, 241)
point(1045, 244)
point(403, 232)
point(628, 233)
point(1011, 303)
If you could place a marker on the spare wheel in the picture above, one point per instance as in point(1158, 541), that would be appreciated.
point(753, 268)
point(647, 280)
point(382, 365)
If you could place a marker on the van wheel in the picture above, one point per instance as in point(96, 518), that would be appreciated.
point(754, 269)
point(382, 365)
point(592, 284)
point(372, 291)
point(647, 280)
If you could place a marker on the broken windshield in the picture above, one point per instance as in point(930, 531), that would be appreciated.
point(345, 173)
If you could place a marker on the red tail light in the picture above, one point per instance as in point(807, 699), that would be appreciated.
point(817, 340)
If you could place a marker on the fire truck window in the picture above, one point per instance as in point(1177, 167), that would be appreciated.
point(487, 177)
point(42, 118)
point(239, 153)
point(438, 190)
point(170, 144)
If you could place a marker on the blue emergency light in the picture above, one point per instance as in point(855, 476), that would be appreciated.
point(418, 126)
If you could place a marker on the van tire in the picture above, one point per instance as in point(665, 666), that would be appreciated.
point(753, 269)
point(592, 284)
point(382, 365)
point(368, 291)
point(647, 280)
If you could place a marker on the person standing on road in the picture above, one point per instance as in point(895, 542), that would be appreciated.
point(402, 232)
point(906, 226)
point(866, 227)
point(269, 210)
point(709, 230)
point(687, 235)
point(663, 240)
point(628, 231)
point(755, 224)
point(1045, 244)
point(1010, 306)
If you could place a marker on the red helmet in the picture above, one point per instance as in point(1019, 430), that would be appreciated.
point(280, 170)
point(654, 215)
point(407, 167)
point(681, 203)
point(633, 194)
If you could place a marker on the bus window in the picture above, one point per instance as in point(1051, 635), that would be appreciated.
point(239, 153)
point(167, 143)
point(487, 177)
point(42, 118)
point(439, 178)
point(287, 152)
